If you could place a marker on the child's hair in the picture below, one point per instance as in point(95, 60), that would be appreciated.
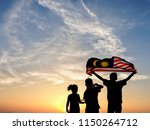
point(72, 87)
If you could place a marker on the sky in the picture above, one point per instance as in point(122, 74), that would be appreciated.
point(45, 44)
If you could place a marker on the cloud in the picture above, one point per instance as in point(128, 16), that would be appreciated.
point(5, 65)
point(120, 24)
point(135, 77)
point(9, 30)
point(54, 78)
point(9, 81)
point(80, 20)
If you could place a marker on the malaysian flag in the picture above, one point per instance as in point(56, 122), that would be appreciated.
point(115, 64)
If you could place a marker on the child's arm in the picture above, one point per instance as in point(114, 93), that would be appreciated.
point(82, 102)
point(67, 104)
point(129, 77)
point(98, 76)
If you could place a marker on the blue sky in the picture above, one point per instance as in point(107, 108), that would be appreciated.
point(49, 41)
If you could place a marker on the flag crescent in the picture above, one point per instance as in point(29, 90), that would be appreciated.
point(94, 63)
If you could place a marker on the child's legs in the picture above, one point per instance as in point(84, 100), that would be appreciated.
point(111, 108)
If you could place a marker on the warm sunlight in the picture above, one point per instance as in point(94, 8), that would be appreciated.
point(60, 103)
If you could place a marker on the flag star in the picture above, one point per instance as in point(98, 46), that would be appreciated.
point(104, 64)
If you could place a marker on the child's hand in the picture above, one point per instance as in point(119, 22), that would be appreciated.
point(134, 72)
point(67, 110)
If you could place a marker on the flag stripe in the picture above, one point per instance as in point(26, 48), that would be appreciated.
point(123, 64)
point(112, 69)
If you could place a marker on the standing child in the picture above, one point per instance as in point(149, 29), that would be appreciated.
point(73, 100)
point(91, 96)
point(114, 91)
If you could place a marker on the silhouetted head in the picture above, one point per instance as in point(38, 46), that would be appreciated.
point(113, 76)
point(73, 88)
point(89, 82)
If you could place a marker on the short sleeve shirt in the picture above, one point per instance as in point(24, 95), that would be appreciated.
point(114, 90)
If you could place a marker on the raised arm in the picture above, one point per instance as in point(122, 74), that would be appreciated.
point(98, 76)
point(129, 77)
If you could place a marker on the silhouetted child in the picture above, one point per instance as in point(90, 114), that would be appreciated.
point(73, 100)
point(91, 96)
point(114, 91)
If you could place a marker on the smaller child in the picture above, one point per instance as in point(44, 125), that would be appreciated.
point(73, 100)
